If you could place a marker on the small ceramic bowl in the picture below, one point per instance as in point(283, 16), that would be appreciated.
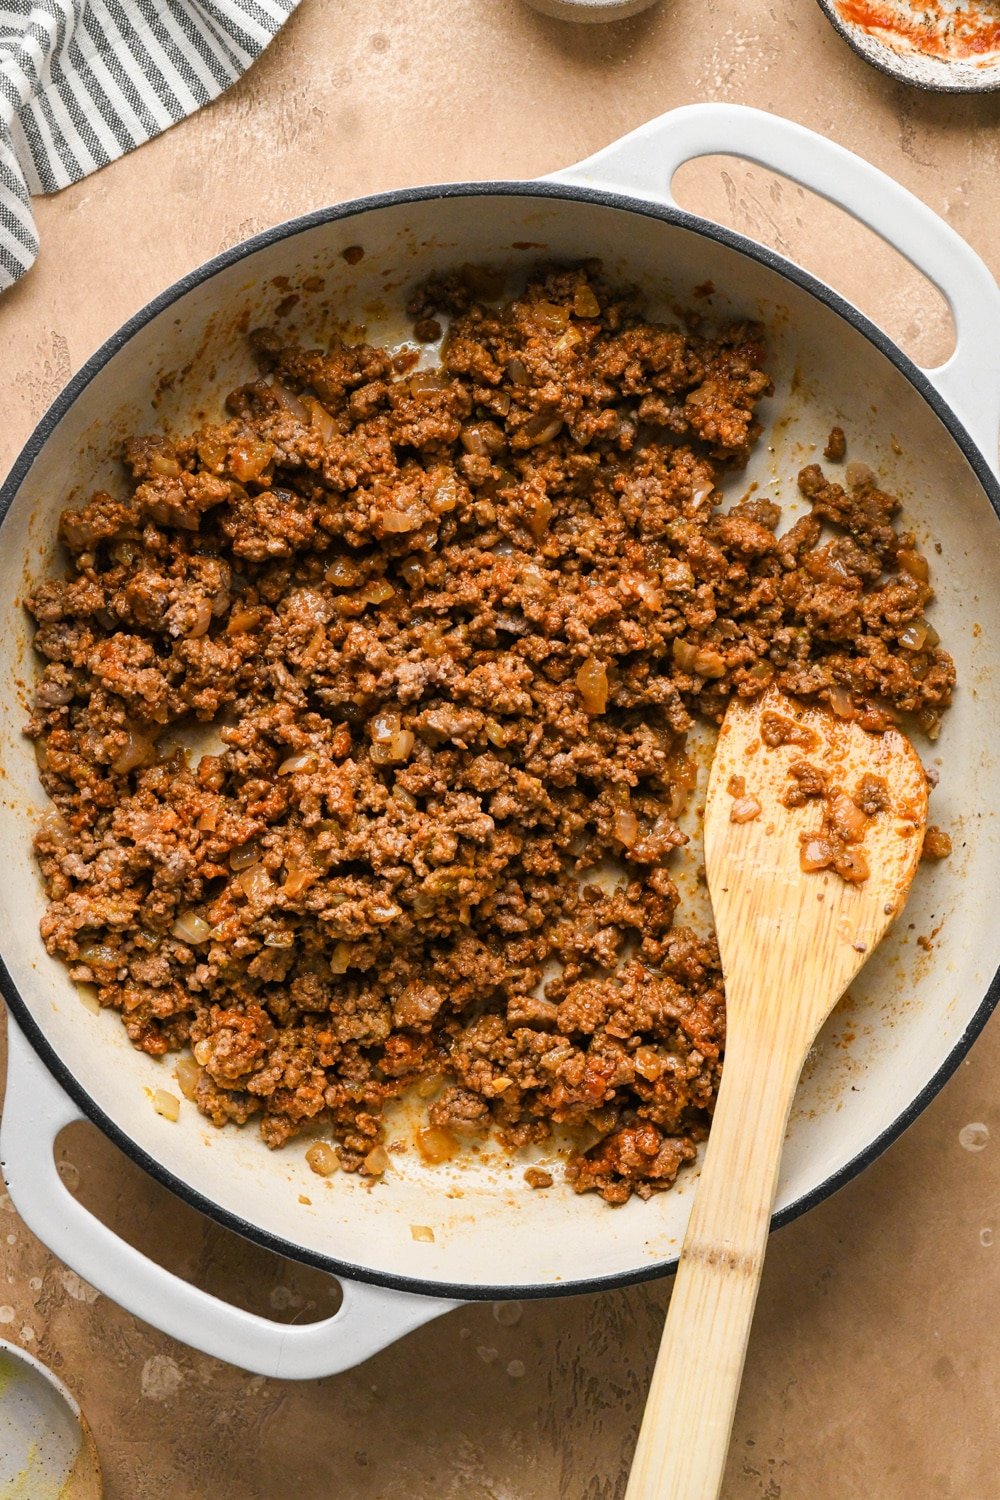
point(591, 10)
point(46, 1448)
point(949, 45)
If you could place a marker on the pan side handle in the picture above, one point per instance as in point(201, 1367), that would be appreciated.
point(643, 164)
point(35, 1111)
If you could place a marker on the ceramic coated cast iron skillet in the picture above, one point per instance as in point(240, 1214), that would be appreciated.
point(932, 435)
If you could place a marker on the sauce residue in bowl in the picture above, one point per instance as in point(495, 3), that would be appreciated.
point(935, 28)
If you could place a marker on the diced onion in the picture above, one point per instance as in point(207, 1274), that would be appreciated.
point(446, 495)
point(322, 1159)
point(165, 466)
point(649, 1064)
point(708, 663)
point(551, 316)
point(626, 826)
point(540, 516)
point(342, 572)
point(279, 938)
point(397, 521)
point(383, 726)
point(436, 1145)
point(137, 751)
point(483, 439)
point(201, 619)
point(297, 879)
point(212, 451)
point(245, 855)
point(249, 457)
point(320, 419)
point(54, 825)
point(914, 636)
point(852, 866)
point(190, 928)
point(517, 372)
point(816, 854)
point(291, 402)
point(376, 1162)
point(683, 654)
point(255, 882)
point(167, 1105)
point(340, 958)
point(187, 1073)
point(542, 428)
point(99, 955)
point(393, 751)
point(744, 810)
point(426, 382)
point(585, 304)
point(243, 620)
point(840, 702)
point(569, 341)
point(202, 1052)
point(422, 1233)
point(497, 734)
point(913, 563)
point(296, 763)
point(592, 682)
point(846, 818)
point(411, 572)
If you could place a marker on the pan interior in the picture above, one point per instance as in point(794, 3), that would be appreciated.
point(908, 1011)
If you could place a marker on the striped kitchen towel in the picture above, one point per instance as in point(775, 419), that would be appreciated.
point(84, 81)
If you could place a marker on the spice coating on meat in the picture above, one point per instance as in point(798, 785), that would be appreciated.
point(452, 626)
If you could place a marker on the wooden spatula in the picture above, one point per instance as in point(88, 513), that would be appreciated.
point(793, 932)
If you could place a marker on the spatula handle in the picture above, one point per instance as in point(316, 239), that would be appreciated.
point(684, 1439)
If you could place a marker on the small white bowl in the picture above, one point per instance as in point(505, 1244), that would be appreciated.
point(591, 10)
point(46, 1448)
point(952, 46)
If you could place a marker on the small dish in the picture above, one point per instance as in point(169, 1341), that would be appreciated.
point(952, 46)
point(47, 1451)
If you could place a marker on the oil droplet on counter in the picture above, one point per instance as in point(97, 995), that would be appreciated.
point(6, 1313)
point(974, 1137)
point(986, 1238)
point(486, 1354)
point(161, 1378)
point(516, 1369)
point(508, 1313)
point(77, 1288)
point(70, 1175)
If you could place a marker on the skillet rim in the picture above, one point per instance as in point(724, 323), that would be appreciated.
point(46, 427)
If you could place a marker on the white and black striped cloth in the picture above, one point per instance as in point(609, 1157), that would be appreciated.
point(84, 81)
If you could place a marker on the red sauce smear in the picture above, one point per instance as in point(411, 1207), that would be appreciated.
point(932, 30)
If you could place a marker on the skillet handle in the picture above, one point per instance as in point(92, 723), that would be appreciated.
point(35, 1111)
point(643, 164)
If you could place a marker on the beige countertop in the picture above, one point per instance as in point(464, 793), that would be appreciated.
point(874, 1369)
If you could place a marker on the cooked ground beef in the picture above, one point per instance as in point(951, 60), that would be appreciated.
point(836, 446)
point(452, 626)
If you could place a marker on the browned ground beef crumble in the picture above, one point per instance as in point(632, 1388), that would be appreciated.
point(454, 627)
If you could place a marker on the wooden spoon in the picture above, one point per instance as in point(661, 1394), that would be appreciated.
point(791, 941)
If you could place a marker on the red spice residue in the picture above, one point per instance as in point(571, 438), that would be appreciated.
point(929, 26)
